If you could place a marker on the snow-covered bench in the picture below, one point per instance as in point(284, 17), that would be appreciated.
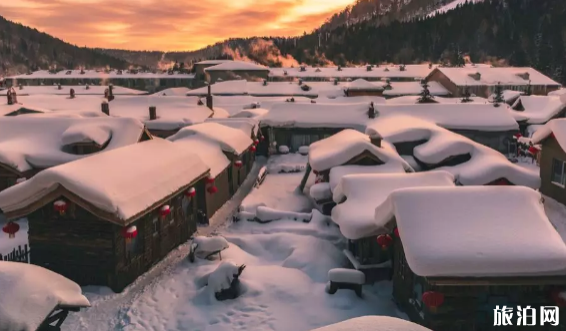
point(205, 247)
point(346, 279)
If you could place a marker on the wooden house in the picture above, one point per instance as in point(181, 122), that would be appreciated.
point(456, 258)
point(30, 144)
point(34, 298)
point(229, 154)
point(361, 87)
point(236, 70)
point(106, 219)
point(552, 138)
point(482, 80)
point(357, 196)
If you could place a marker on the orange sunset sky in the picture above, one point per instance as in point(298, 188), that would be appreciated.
point(168, 25)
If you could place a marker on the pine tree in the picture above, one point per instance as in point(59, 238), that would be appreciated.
point(426, 97)
point(498, 95)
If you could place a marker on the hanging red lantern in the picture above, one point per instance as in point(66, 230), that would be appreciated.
point(238, 164)
point(262, 138)
point(384, 240)
point(60, 206)
point(130, 232)
point(252, 148)
point(209, 180)
point(517, 135)
point(11, 228)
point(212, 189)
point(533, 150)
point(164, 211)
point(433, 300)
point(191, 192)
point(256, 142)
point(557, 295)
point(396, 232)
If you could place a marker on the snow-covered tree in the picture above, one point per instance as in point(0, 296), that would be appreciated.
point(498, 95)
point(426, 97)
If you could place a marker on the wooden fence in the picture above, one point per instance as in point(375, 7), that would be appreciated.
point(17, 255)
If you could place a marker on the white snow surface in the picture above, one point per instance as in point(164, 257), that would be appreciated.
point(491, 76)
point(340, 148)
point(102, 75)
point(411, 71)
point(478, 220)
point(221, 278)
point(267, 214)
point(338, 172)
point(236, 66)
point(320, 191)
point(210, 244)
point(34, 141)
point(415, 88)
point(374, 323)
point(250, 113)
point(173, 92)
point(451, 5)
point(356, 216)
point(230, 140)
point(209, 151)
point(79, 90)
point(363, 85)
point(485, 166)
point(123, 181)
point(30, 293)
point(539, 109)
point(341, 275)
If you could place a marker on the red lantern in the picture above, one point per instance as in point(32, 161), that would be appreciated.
point(212, 189)
point(130, 232)
point(517, 135)
point(60, 206)
point(396, 232)
point(557, 298)
point(262, 138)
point(256, 142)
point(533, 150)
point(433, 300)
point(209, 180)
point(11, 228)
point(164, 211)
point(384, 240)
point(238, 164)
point(252, 148)
point(191, 192)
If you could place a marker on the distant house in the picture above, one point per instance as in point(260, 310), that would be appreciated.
point(199, 67)
point(29, 144)
point(226, 151)
point(455, 252)
point(552, 138)
point(361, 87)
point(106, 219)
point(482, 80)
point(236, 70)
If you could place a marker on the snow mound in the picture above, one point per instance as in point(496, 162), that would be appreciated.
point(320, 191)
point(283, 149)
point(556, 127)
point(341, 275)
point(86, 133)
point(266, 214)
point(304, 150)
point(221, 278)
point(230, 140)
point(207, 245)
point(30, 293)
point(538, 109)
point(478, 220)
point(374, 323)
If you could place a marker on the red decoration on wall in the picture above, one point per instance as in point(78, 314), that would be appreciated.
point(60, 206)
point(533, 150)
point(212, 189)
point(256, 142)
point(11, 228)
point(262, 138)
point(238, 164)
point(384, 240)
point(252, 148)
point(165, 210)
point(209, 180)
point(433, 300)
point(396, 232)
point(130, 232)
point(191, 193)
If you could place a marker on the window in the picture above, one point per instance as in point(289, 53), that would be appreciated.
point(132, 247)
point(512, 148)
point(557, 177)
point(156, 226)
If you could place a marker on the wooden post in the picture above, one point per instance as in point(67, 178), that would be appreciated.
point(209, 98)
point(105, 108)
point(152, 113)
point(110, 93)
point(72, 93)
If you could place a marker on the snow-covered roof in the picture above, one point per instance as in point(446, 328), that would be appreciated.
point(208, 150)
point(246, 125)
point(340, 148)
point(384, 71)
point(228, 87)
point(485, 165)
point(559, 92)
point(363, 193)
point(465, 232)
point(373, 323)
point(250, 113)
point(30, 293)
point(415, 88)
point(243, 87)
point(102, 75)
point(450, 6)
point(124, 182)
point(414, 99)
point(337, 173)
point(363, 85)
point(213, 61)
point(230, 140)
point(237, 66)
point(79, 90)
point(36, 141)
point(172, 92)
point(556, 127)
point(539, 109)
point(491, 76)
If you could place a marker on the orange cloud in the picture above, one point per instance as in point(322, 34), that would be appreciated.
point(171, 25)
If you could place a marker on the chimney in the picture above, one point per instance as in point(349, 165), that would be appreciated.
point(209, 98)
point(72, 93)
point(21, 86)
point(152, 113)
point(376, 140)
point(371, 111)
point(300, 82)
point(59, 87)
point(110, 93)
point(368, 68)
point(476, 76)
point(9, 96)
point(87, 86)
point(105, 107)
point(265, 82)
point(525, 76)
point(335, 81)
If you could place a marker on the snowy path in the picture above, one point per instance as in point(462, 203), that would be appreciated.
point(109, 310)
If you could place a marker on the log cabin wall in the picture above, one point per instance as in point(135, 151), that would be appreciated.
point(217, 200)
point(551, 152)
point(7, 178)
point(76, 245)
point(297, 137)
point(368, 251)
point(361, 93)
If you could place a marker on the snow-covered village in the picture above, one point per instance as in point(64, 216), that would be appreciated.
point(226, 193)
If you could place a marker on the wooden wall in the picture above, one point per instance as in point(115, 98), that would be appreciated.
point(551, 150)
